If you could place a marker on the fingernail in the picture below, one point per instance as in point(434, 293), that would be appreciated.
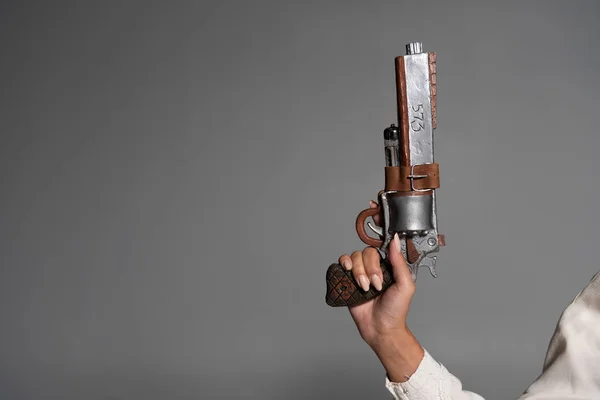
point(376, 281)
point(347, 264)
point(372, 204)
point(397, 243)
point(364, 282)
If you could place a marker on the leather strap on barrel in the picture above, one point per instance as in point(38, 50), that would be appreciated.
point(398, 178)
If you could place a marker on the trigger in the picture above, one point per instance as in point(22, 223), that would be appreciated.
point(378, 230)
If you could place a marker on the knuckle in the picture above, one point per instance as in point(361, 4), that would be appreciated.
point(371, 257)
point(370, 251)
point(371, 266)
point(356, 254)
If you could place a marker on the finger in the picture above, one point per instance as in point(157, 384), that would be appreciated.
point(358, 270)
point(371, 259)
point(346, 262)
point(377, 217)
point(402, 274)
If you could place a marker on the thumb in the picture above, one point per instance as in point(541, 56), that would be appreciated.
point(402, 274)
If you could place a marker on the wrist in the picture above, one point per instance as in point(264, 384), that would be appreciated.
point(400, 354)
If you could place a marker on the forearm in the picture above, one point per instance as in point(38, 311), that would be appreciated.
point(400, 355)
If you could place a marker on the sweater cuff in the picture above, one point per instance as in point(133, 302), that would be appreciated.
point(424, 384)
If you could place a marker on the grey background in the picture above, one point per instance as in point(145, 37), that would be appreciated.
point(177, 176)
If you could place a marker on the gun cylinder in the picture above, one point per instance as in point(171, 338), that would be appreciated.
point(391, 137)
point(411, 215)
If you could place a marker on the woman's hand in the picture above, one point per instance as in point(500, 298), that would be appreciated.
point(381, 321)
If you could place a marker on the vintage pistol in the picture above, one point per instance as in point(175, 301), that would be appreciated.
point(407, 205)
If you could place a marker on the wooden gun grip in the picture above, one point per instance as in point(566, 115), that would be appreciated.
point(344, 291)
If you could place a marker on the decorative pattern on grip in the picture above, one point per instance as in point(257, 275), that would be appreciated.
point(344, 291)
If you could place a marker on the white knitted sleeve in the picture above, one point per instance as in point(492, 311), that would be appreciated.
point(431, 381)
